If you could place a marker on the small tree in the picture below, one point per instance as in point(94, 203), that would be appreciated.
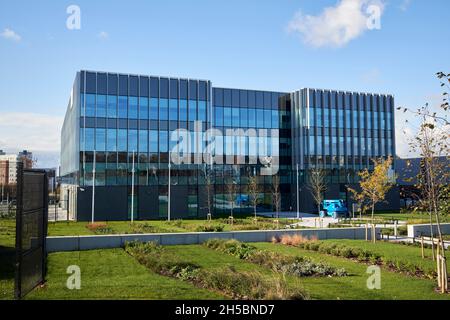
point(374, 186)
point(253, 191)
point(317, 185)
point(207, 172)
point(276, 196)
point(231, 187)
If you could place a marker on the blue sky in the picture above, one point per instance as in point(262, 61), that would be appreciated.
point(245, 44)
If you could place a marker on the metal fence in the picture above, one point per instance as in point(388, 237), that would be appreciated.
point(31, 229)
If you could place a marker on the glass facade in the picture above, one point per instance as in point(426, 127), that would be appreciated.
point(126, 118)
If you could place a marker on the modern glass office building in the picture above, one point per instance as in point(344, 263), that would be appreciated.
point(120, 131)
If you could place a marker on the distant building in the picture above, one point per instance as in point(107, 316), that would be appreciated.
point(8, 165)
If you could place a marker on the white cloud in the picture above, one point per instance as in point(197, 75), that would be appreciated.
point(31, 131)
point(334, 26)
point(103, 35)
point(405, 5)
point(10, 35)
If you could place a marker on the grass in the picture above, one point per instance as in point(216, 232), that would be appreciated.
point(410, 218)
point(112, 274)
point(7, 258)
point(220, 224)
point(395, 252)
point(393, 285)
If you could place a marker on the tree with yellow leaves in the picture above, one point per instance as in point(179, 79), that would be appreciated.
point(374, 186)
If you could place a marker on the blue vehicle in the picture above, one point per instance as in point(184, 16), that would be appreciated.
point(333, 208)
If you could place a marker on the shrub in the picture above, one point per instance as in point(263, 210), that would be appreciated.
point(99, 228)
point(250, 285)
point(210, 228)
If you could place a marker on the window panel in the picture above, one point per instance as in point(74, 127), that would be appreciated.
point(143, 141)
point(100, 139)
point(112, 107)
point(143, 108)
point(163, 141)
point(173, 109)
point(154, 109)
point(132, 108)
point(183, 110)
point(123, 107)
point(202, 111)
point(111, 142)
point(153, 139)
point(163, 109)
point(101, 106)
point(192, 110)
point(90, 105)
point(132, 141)
point(122, 140)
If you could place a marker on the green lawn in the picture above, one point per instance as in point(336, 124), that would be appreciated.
point(112, 274)
point(154, 226)
point(395, 252)
point(7, 258)
point(393, 285)
point(410, 218)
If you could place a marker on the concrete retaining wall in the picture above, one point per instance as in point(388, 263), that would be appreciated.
point(78, 243)
point(417, 230)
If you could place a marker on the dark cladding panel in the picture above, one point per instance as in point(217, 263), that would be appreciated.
point(164, 88)
point(193, 89)
point(143, 86)
point(202, 90)
point(183, 89)
point(123, 85)
point(227, 97)
point(112, 84)
point(218, 97)
point(173, 89)
point(134, 84)
point(101, 83)
point(235, 98)
point(243, 99)
point(91, 82)
point(154, 87)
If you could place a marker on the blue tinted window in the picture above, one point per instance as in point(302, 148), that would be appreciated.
point(112, 107)
point(369, 120)
point(218, 118)
point(235, 115)
point(326, 115)
point(341, 118)
point(123, 107)
point(90, 105)
point(312, 117)
point(143, 141)
point(153, 109)
point(275, 120)
point(202, 110)
point(100, 139)
point(333, 118)
point(132, 141)
point(163, 109)
point(163, 141)
point(143, 108)
point(268, 119)
point(227, 117)
point(192, 110)
point(252, 118)
point(375, 120)
point(111, 140)
point(183, 110)
point(319, 117)
point(90, 139)
point(173, 109)
point(132, 108)
point(259, 117)
point(122, 140)
point(153, 139)
point(101, 106)
point(244, 117)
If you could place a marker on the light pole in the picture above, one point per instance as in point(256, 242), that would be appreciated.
point(93, 190)
point(298, 204)
point(168, 195)
point(132, 189)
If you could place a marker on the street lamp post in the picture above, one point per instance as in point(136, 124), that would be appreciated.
point(168, 195)
point(93, 189)
point(298, 204)
point(132, 190)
